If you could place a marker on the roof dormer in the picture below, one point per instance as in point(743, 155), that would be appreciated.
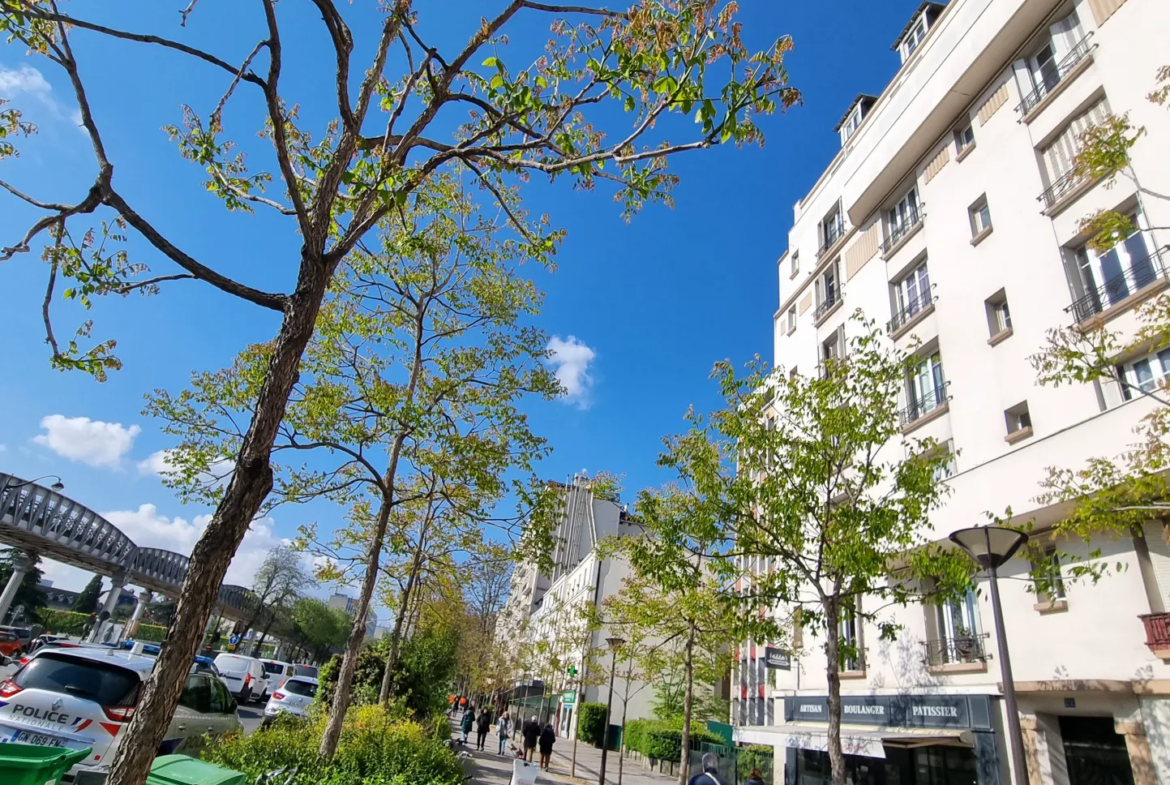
point(920, 24)
point(854, 115)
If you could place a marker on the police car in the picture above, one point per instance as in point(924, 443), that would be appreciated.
point(79, 698)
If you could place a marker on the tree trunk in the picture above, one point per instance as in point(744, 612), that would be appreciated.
point(396, 636)
point(250, 484)
point(833, 674)
point(353, 644)
point(688, 705)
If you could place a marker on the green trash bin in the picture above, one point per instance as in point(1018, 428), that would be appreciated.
point(32, 764)
point(184, 770)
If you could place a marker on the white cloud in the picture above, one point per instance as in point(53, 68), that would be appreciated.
point(159, 463)
point(27, 80)
point(571, 360)
point(92, 442)
point(3, 447)
point(148, 529)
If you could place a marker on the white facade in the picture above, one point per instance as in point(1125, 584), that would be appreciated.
point(546, 606)
point(949, 217)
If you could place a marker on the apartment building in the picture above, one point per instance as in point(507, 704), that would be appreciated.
point(545, 606)
point(951, 215)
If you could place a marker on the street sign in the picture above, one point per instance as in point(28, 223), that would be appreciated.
point(234, 640)
point(569, 697)
point(777, 659)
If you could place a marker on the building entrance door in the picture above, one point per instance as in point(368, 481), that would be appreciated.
point(1094, 752)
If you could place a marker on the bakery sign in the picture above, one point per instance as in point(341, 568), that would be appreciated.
point(904, 711)
point(777, 659)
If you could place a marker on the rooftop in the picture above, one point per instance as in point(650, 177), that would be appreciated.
point(926, 6)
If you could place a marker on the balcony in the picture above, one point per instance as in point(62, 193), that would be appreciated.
point(1158, 633)
point(900, 233)
point(910, 314)
point(831, 239)
point(831, 302)
point(1063, 191)
point(1052, 82)
point(932, 405)
point(945, 653)
point(1141, 280)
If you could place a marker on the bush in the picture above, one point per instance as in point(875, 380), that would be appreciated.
point(63, 622)
point(662, 739)
point(375, 749)
point(755, 756)
point(150, 632)
point(591, 723)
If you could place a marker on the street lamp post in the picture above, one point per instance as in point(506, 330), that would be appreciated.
point(57, 486)
point(991, 547)
point(615, 643)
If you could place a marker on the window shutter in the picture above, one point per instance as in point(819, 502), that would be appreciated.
point(1159, 557)
point(841, 348)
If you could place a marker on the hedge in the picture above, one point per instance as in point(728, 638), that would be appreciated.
point(150, 632)
point(63, 622)
point(662, 739)
point(755, 756)
point(591, 723)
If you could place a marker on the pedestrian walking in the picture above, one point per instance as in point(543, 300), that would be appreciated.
point(755, 778)
point(530, 732)
point(467, 722)
point(710, 773)
point(483, 723)
point(547, 737)
point(504, 729)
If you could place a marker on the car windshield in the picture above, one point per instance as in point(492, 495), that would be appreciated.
point(298, 687)
point(273, 667)
point(306, 670)
point(100, 682)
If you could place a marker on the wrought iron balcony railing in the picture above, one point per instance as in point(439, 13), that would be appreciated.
point(961, 648)
point(831, 299)
point(897, 232)
point(832, 233)
point(918, 409)
point(1053, 78)
point(1138, 276)
point(1064, 185)
point(910, 309)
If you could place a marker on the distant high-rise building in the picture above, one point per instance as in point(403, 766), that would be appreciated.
point(344, 602)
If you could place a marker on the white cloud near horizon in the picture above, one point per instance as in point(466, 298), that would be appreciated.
point(25, 80)
point(92, 442)
point(571, 360)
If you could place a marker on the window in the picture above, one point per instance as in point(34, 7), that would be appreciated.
point(999, 318)
point(980, 218)
point(196, 694)
point(828, 290)
point(792, 320)
point(1048, 581)
point(793, 373)
point(794, 262)
point(1019, 421)
point(958, 630)
point(1144, 375)
point(902, 217)
point(1101, 280)
point(1060, 154)
point(104, 684)
point(851, 124)
point(849, 641)
point(945, 469)
point(965, 138)
point(926, 388)
point(1052, 59)
point(911, 295)
point(914, 38)
point(832, 228)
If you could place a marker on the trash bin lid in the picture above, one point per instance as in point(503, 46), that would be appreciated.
point(30, 764)
point(184, 770)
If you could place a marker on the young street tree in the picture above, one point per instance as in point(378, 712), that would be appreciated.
point(408, 393)
point(409, 117)
point(278, 583)
point(87, 601)
point(814, 479)
point(1113, 496)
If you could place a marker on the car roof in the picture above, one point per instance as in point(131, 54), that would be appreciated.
point(308, 679)
point(236, 656)
point(134, 662)
point(278, 662)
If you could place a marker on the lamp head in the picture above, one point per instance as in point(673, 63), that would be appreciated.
point(990, 546)
point(58, 486)
point(615, 642)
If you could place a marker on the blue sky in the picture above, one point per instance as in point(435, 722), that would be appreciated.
point(641, 311)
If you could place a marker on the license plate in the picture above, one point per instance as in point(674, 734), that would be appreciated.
point(28, 737)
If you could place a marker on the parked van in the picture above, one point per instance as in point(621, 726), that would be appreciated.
point(277, 673)
point(245, 677)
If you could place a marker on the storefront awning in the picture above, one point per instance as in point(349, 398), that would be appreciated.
point(867, 741)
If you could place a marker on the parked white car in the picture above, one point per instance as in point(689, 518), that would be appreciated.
point(276, 672)
point(293, 697)
point(77, 698)
point(245, 677)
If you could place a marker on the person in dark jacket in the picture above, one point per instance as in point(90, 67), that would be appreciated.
point(547, 737)
point(467, 722)
point(710, 773)
point(483, 724)
point(530, 732)
point(755, 778)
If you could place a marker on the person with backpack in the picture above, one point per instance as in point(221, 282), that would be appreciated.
point(504, 729)
point(483, 724)
point(467, 722)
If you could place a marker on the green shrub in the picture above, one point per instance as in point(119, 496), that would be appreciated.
point(150, 632)
point(63, 622)
point(755, 756)
point(375, 749)
point(591, 723)
point(662, 739)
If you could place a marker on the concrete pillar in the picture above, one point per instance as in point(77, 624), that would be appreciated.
point(117, 582)
point(144, 600)
point(1140, 758)
point(21, 564)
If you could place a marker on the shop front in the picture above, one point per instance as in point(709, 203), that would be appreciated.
point(889, 740)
